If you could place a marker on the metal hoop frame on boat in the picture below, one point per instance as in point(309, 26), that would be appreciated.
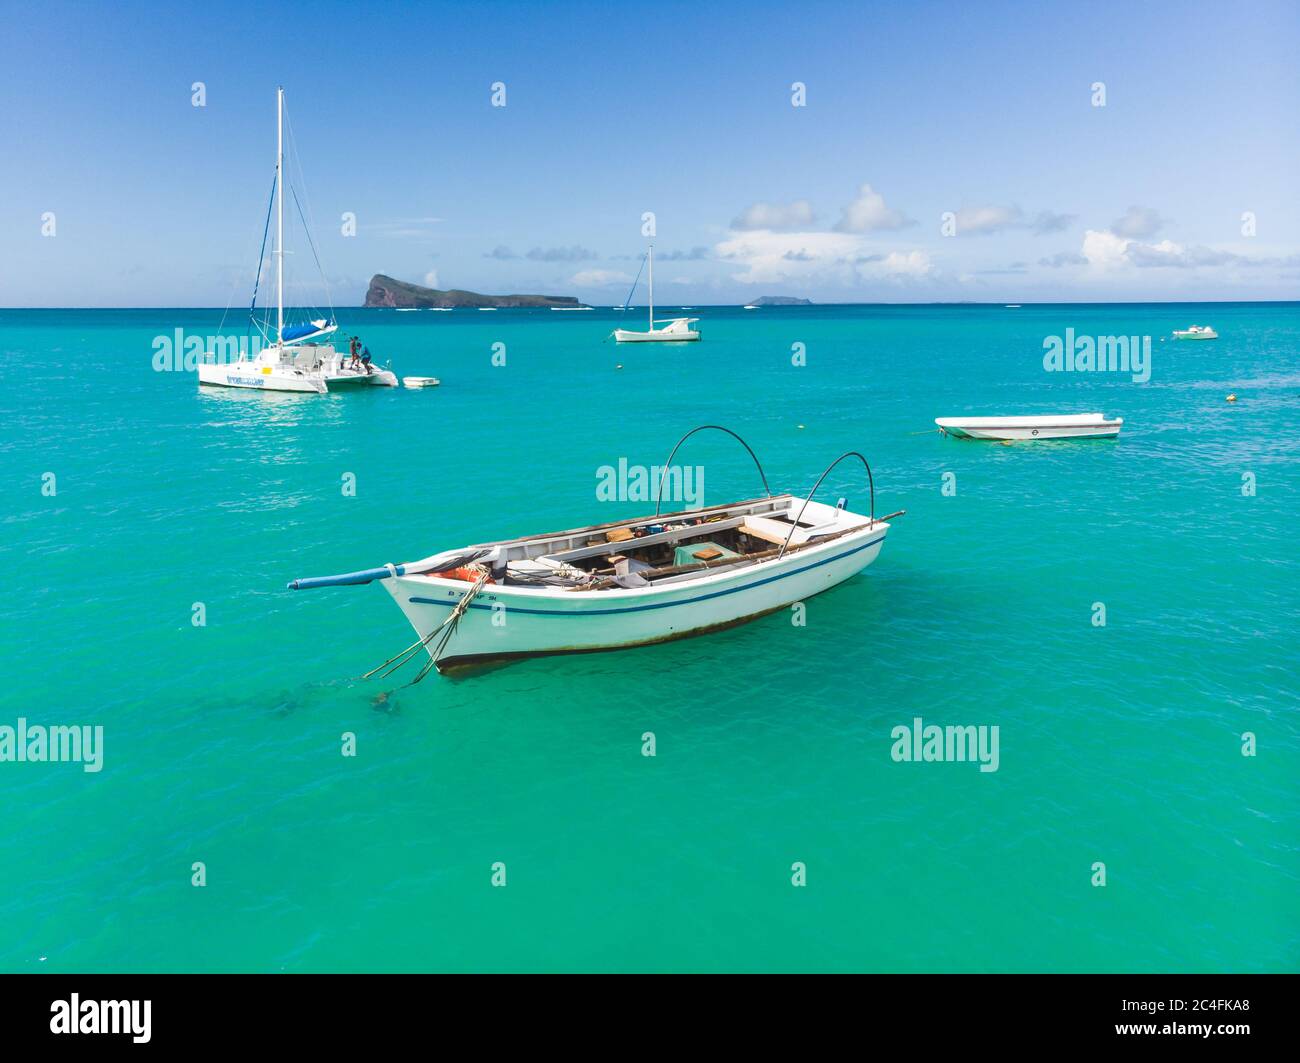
point(870, 482)
point(700, 428)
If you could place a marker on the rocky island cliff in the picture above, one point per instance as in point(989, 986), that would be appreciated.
point(385, 291)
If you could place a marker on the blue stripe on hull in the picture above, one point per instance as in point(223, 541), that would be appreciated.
point(451, 602)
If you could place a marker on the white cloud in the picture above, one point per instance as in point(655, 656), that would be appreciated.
point(815, 258)
point(1168, 253)
point(561, 254)
point(975, 221)
point(778, 217)
point(906, 264)
point(868, 213)
point(1104, 251)
point(431, 279)
point(1048, 221)
point(1063, 258)
point(599, 278)
point(1138, 223)
point(979, 221)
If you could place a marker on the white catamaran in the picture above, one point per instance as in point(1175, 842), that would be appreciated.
point(675, 330)
point(291, 360)
point(629, 582)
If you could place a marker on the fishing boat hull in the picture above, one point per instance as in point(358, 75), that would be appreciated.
point(503, 622)
point(1070, 426)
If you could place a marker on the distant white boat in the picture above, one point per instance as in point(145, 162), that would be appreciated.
point(291, 361)
point(420, 381)
point(749, 308)
point(487, 307)
point(1039, 426)
point(1196, 332)
point(442, 309)
point(570, 309)
point(675, 330)
point(407, 309)
point(1011, 306)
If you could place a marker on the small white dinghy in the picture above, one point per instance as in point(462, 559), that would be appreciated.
point(629, 582)
point(1039, 426)
point(420, 381)
point(1196, 332)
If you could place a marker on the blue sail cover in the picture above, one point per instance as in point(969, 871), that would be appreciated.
point(298, 332)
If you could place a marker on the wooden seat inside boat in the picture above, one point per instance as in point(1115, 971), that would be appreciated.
point(668, 548)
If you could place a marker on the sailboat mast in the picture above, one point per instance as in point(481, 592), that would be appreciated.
point(279, 216)
point(652, 287)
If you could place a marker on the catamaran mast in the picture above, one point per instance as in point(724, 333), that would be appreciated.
point(652, 287)
point(279, 215)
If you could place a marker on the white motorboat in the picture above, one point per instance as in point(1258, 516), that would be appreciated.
point(626, 583)
point(1039, 426)
point(1196, 332)
point(291, 360)
point(675, 330)
point(750, 307)
point(420, 381)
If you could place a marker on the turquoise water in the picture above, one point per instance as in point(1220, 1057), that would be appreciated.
point(1120, 744)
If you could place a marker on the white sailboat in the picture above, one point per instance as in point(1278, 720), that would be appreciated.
point(292, 361)
point(675, 330)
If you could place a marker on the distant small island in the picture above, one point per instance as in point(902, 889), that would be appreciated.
point(386, 292)
point(781, 300)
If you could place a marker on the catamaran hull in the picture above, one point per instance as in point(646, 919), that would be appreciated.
point(502, 622)
point(233, 376)
point(380, 378)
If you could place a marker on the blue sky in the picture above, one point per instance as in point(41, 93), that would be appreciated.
point(980, 111)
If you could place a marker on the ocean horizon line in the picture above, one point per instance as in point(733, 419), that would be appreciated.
point(734, 306)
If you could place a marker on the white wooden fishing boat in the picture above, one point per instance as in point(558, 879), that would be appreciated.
point(675, 330)
point(626, 583)
point(1196, 332)
point(291, 360)
point(1038, 426)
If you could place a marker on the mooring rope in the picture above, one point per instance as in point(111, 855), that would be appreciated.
point(448, 626)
